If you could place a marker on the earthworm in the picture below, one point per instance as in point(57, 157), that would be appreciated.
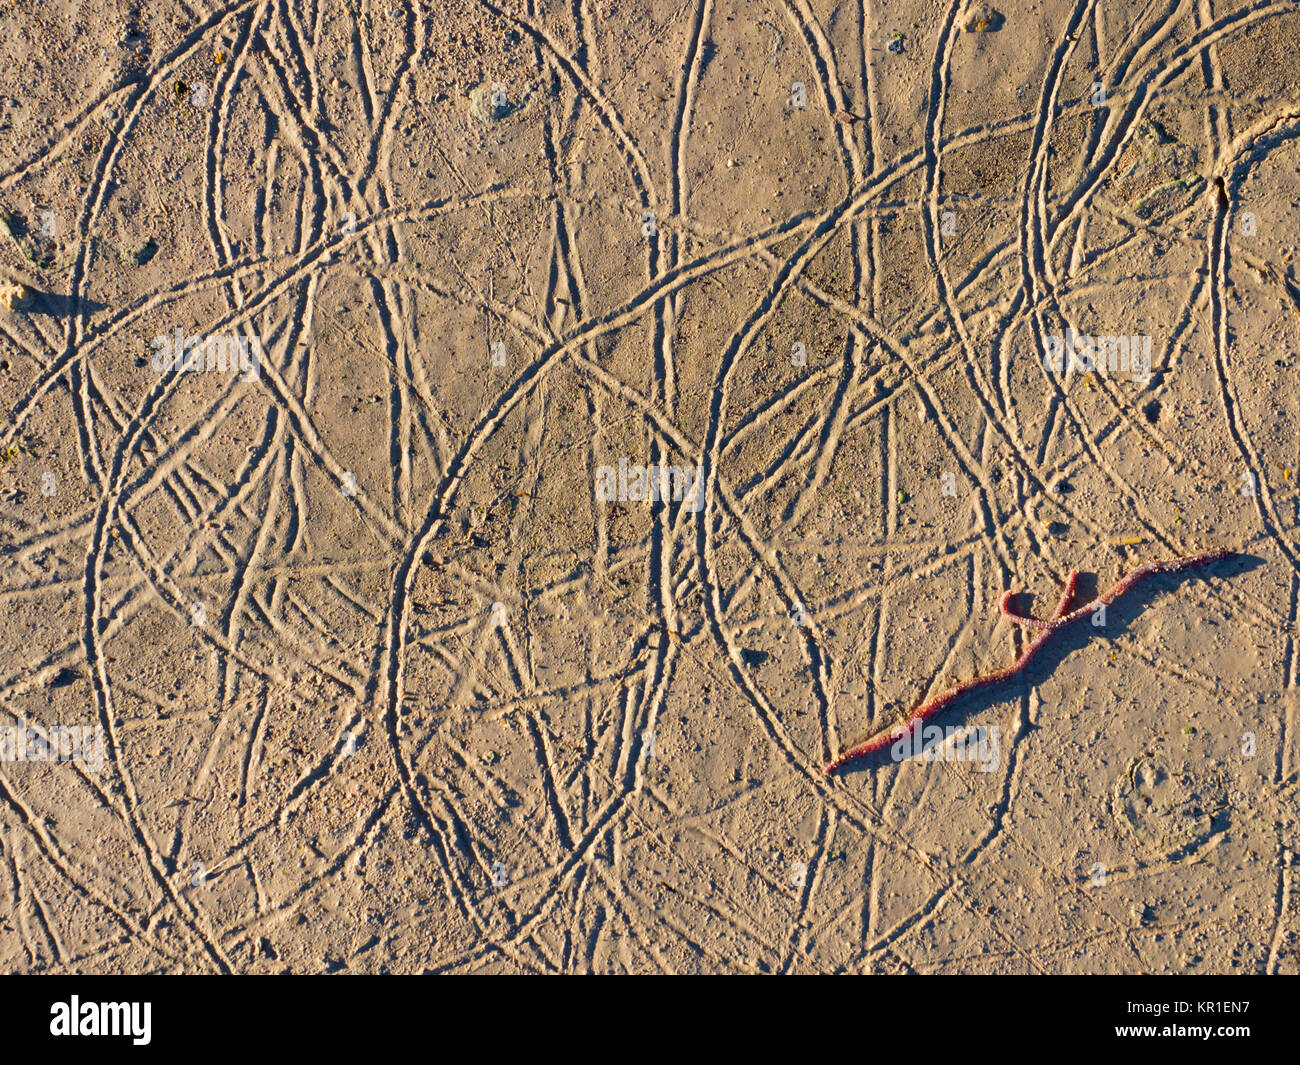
point(889, 736)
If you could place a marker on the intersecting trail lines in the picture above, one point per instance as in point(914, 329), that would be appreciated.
point(354, 675)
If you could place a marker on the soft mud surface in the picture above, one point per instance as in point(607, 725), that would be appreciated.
point(384, 680)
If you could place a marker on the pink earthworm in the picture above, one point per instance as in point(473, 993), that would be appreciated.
point(891, 735)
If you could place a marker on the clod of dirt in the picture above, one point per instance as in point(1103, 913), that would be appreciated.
point(14, 297)
point(65, 677)
point(488, 103)
point(1153, 131)
point(983, 19)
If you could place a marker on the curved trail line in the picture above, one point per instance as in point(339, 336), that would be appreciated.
point(1059, 619)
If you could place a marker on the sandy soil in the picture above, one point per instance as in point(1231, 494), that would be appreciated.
point(371, 653)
